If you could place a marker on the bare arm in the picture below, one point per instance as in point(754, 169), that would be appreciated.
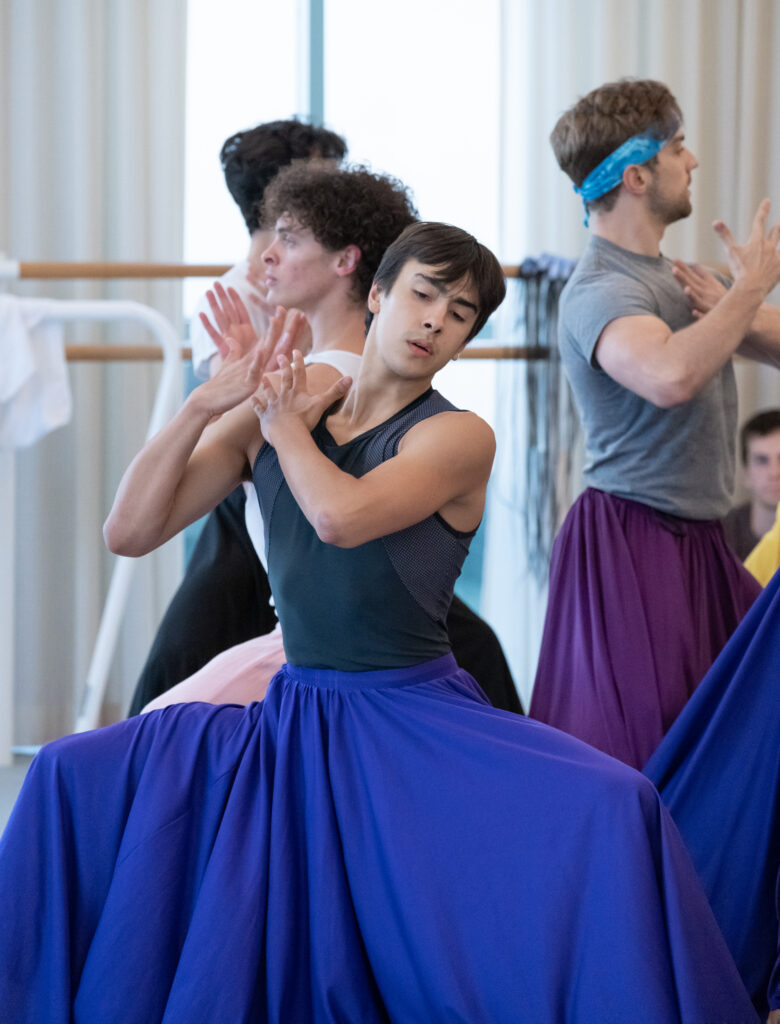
point(192, 463)
point(443, 465)
point(670, 367)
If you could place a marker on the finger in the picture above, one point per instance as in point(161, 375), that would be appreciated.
point(285, 372)
point(215, 336)
point(759, 221)
point(216, 307)
point(336, 392)
point(298, 370)
point(228, 309)
point(723, 234)
point(238, 304)
point(774, 234)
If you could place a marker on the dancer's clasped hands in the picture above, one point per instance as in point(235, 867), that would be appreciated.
point(291, 399)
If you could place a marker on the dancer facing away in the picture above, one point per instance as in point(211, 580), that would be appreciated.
point(644, 591)
point(373, 841)
point(318, 209)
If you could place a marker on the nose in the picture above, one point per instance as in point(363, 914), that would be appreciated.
point(434, 316)
point(693, 163)
point(269, 255)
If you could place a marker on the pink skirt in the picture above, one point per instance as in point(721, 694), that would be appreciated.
point(239, 675)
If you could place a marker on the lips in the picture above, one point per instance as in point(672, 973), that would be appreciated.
point(423, 347)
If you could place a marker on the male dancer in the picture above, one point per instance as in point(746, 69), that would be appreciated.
point(643, 589)
point(318, 210)
point(373, 841)
point(224, 596)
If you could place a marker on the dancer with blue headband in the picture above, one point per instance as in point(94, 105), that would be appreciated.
point(644, 591)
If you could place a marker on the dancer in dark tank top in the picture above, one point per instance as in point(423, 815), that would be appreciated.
point(373, 842)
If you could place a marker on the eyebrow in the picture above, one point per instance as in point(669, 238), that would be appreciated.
point(440, 287)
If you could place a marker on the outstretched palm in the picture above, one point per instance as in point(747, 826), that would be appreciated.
point(242, 369)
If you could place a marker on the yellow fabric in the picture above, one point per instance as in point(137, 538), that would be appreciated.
point(764, 560)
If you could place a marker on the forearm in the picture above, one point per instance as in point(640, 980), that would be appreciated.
point(321, 489)
point(144, 500)
point(762, 342)
point(696, 353)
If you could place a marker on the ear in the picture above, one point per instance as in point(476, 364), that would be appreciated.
point(348, 260)
point(373, 298)
point(636, 179)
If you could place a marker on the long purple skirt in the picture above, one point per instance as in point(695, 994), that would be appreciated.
point(640, 605)
point(364, 847)
point(718, 772)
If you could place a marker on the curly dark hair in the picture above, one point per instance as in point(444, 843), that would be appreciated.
point(604, 119)
point(251, 159)
point(342, 206)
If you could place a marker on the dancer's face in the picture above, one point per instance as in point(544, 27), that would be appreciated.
point(299, 271)
point(762, 470)
point(669, 193)
point(422, 323)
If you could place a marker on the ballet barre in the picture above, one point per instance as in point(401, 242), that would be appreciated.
point(153, 353)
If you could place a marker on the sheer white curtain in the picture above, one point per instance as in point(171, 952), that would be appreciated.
point(717, 57)
point(92, 119)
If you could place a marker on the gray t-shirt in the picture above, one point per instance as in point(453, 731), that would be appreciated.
point(678, 460)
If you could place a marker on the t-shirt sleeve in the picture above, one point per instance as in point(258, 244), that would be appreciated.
point(596, 301)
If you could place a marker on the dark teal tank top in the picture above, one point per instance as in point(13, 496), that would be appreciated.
point(380, 605)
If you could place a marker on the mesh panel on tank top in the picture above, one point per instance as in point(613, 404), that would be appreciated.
point(422, 561)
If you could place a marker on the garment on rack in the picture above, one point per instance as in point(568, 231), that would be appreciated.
point(35, 393)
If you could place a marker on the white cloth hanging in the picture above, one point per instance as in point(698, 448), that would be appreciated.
point(35, 393)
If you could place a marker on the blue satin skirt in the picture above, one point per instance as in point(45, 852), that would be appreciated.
point(359, 847)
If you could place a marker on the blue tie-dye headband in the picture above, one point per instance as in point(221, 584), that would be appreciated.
point(609, 173)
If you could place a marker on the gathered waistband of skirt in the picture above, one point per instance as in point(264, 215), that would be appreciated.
point(379, 679)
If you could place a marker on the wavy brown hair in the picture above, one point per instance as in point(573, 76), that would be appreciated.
point(604, 119)
point(342, 206)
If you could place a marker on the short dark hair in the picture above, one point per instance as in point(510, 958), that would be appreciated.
point(763, 423)
point(251, 159)
point(455, 255)
point(342, 206)
point(606, 118)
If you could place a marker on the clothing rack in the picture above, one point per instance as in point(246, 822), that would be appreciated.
point(170, 351)
point(166, 401)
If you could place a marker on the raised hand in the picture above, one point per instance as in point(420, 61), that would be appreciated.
point(292, 399)
point(230, 318)
point(702, 289)
point(241, 372)
point(757, 262)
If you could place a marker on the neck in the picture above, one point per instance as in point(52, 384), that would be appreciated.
point(630, 227)
point(377, 394)
point(762, 517)
point(337, 322)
